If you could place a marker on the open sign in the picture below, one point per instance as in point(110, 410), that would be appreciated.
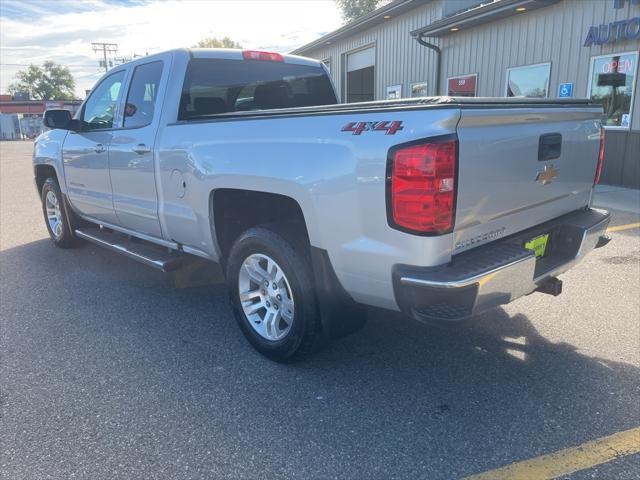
point(617, 65)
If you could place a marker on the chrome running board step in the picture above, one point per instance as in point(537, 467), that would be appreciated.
point(144, 252)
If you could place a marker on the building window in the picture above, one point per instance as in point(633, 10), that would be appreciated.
point(360, 81)
point(611, 84)
point(528, 81)
point(394, 92)
point(463, 86)
point(419, 89)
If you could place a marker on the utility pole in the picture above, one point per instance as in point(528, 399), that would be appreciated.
point(106, 48)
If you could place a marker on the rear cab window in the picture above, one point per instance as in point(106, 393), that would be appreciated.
point(217, 86)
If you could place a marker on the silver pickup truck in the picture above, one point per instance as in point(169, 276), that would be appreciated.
point(441, 208)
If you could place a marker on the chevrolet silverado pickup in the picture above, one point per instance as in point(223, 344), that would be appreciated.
point(441, 208)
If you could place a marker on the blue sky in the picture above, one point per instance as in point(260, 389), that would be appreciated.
point(33, 31)
point(34, 9)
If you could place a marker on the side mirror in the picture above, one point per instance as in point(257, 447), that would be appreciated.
point(57, 118)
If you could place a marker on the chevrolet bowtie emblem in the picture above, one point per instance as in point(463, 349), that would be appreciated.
point(547, 175)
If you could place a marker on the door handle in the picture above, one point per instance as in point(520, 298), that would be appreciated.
point(141, 149)
point(549, 146)
point(99, 148)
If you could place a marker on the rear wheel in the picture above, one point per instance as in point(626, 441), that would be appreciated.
point(55, 215)
point(272, 293)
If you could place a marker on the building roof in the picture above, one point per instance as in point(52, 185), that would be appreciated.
point(487, 11)
point(395, 8)
point(39, 102)
point(36, 107)
point(484, 13)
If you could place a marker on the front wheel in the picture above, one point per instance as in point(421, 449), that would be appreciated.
point(272, 293)
point(55, 215)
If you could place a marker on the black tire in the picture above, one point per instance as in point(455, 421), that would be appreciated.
point(304, 336)
point(66, 237)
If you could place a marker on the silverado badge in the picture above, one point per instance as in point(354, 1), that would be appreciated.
point(547, 175)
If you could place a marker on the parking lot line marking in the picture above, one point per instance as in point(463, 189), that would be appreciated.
point(628, 226)
point(569, 460)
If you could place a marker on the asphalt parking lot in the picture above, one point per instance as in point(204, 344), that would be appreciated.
point(110, 372)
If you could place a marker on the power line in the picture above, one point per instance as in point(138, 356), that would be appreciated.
point(106, 48)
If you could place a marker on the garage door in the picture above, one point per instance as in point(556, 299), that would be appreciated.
point(360, 75)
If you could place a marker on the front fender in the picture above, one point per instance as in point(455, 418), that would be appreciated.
point(47, 150)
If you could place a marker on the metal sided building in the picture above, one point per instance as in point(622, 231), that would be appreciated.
point(536, 48)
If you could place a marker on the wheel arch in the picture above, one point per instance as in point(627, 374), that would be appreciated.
point(340, 315)
point(234, 210)
point(42, 172)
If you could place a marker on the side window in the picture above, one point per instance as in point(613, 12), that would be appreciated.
point(141, 99)
point(101, 105)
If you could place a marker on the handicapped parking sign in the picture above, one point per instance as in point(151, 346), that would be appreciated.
point(565, 90)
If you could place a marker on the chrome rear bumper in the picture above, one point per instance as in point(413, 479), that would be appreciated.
point(497, 273)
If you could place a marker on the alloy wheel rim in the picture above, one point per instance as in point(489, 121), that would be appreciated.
point(266, 297)
point(54, 216)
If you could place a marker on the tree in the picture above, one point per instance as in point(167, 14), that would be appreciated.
point(211, 42)
point(49, 82)
point(352, 9)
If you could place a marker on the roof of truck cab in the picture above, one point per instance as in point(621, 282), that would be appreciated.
point(236, 54)
point(221, 53)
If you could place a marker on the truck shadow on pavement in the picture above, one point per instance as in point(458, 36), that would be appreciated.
point(100, 344)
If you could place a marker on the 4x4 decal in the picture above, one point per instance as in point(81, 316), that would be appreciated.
point(385, 126)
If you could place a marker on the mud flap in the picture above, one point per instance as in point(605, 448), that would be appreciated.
point(340, 314)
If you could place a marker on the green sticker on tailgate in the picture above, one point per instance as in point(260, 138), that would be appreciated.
point(538, 244)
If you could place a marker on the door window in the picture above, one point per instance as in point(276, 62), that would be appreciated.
point(143, 91)
point(612, 80)
point(101, 105)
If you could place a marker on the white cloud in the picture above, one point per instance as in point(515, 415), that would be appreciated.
point(38, 34)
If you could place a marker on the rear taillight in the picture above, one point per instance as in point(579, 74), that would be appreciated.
point(421, 186)
point(266, 56)
point(596, 180)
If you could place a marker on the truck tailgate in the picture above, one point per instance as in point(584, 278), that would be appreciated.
point(522, 166)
